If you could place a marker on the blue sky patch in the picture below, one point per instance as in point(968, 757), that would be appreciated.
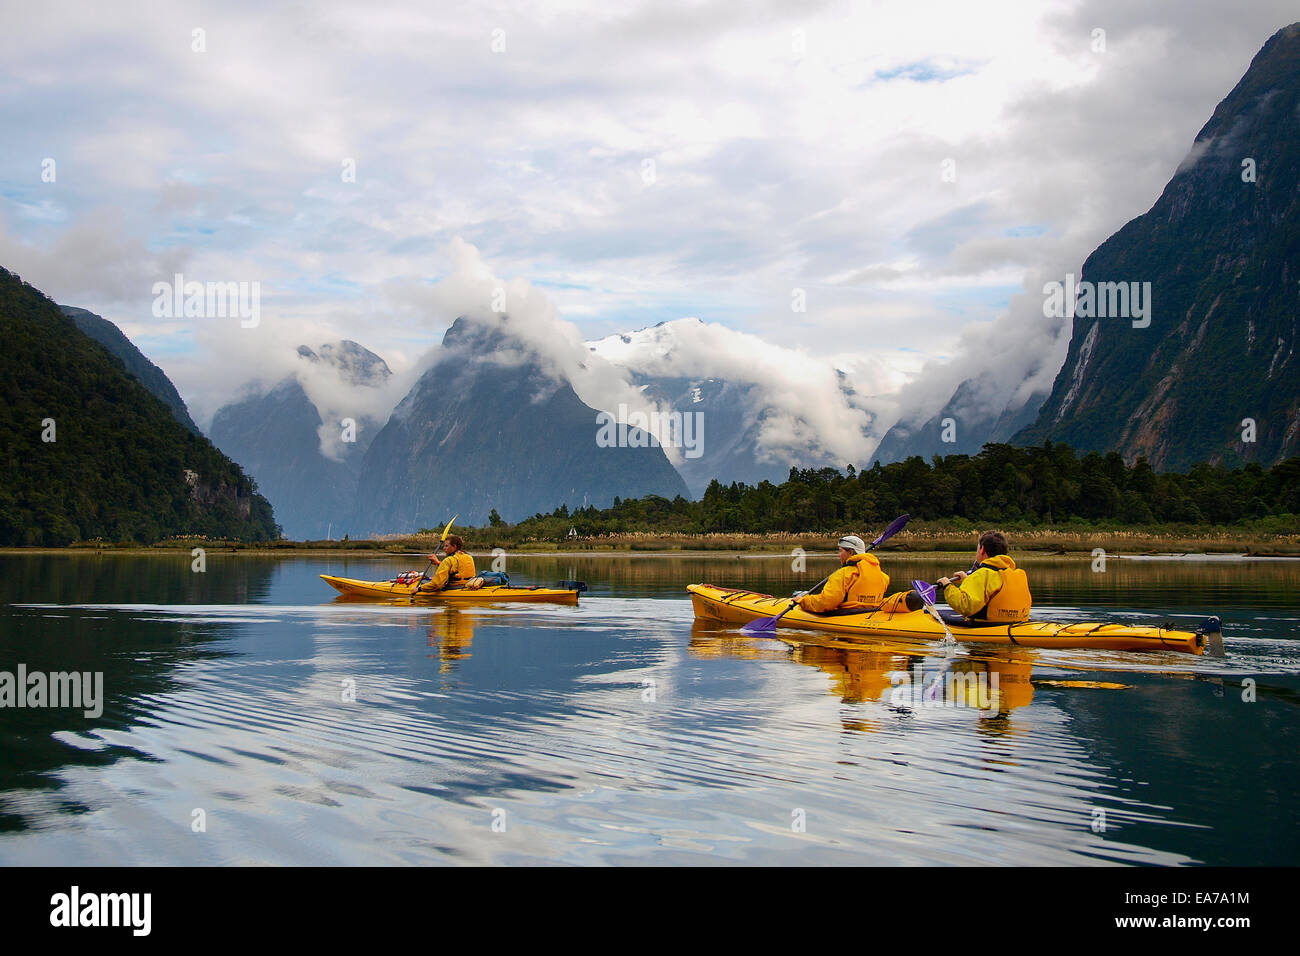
point(924, 71)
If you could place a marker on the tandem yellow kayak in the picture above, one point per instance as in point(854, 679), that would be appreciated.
point(732, 606)
point(488, 594)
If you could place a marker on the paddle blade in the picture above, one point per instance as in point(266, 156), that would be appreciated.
point(571, 585)
point(895, 526)
point(764, 625)
point(927, 592)
point(1213, 631)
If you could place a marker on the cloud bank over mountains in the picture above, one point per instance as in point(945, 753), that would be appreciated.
point(637, 165)
point(805, 400)
point(809, 404)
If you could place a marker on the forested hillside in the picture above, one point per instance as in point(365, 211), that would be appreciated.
point(89, 452)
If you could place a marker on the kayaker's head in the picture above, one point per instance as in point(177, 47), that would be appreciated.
point(452, 543)
point(992, 543)
point(849, 546)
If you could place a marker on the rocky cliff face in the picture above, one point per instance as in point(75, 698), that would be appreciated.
point(307, 467)
point(969, 420)
point(488, 426)
point(1211, 372)
point(730, 416)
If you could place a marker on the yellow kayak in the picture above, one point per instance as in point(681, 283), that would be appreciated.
point(731, 606)
point(488, 594)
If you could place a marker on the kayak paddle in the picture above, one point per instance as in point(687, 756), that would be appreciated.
point(766, 625)
point(927, 592)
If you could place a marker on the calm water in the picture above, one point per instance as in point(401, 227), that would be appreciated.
point(621, 732)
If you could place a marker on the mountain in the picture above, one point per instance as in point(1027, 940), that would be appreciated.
point(688, 367)
point(150, 376)
point(1221, 251)
point(731, 417)
point(353, 363)
point(976, 414)
point(486, 427)
point(277, 437)
point(90, 452)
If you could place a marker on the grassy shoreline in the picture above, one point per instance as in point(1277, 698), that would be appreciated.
point(1042, 541)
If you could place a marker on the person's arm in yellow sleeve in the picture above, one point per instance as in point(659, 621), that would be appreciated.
point(832, 595)
point(443, 573)
point(973, 592)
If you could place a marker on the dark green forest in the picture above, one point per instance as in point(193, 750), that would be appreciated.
point(117, 467)
point(1002, 485)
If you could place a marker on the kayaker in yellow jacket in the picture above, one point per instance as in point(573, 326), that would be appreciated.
point(994, 589)
point(455, 568)
point(859, 583)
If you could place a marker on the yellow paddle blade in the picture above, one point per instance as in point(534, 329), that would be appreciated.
point(447, 530)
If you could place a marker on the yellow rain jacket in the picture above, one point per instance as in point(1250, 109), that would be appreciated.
point(453, 571)
point(859, 583)
point(995, 591)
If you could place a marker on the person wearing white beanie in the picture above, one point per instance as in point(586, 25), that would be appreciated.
point(857, 585)
point(851, 542)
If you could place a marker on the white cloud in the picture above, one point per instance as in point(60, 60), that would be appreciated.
point(801, 394)
point(775, 168)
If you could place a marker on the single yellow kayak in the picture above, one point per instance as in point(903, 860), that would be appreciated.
point(488, 594)
point(731, 606)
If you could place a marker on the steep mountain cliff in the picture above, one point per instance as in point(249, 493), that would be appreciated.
point(488, 426)
point(1212, 363)
point(90, 452)
point(279, 437)
point(963, 426)
point(730, 417)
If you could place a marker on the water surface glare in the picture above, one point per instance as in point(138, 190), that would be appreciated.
point(250, 717)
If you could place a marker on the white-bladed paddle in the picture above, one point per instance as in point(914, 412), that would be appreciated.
point(926, 592)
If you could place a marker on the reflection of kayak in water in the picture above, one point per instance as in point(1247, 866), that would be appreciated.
point(488, 594)
point(732, 606)
point(891, 673)
point(999, 685)
point(450, 637)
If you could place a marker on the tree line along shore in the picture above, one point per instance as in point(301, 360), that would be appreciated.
point(1043, 541)
point(1046, 498)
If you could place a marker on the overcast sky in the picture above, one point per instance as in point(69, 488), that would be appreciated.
point(794, 145)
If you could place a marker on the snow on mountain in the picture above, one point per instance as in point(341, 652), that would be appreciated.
point(763, 408)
